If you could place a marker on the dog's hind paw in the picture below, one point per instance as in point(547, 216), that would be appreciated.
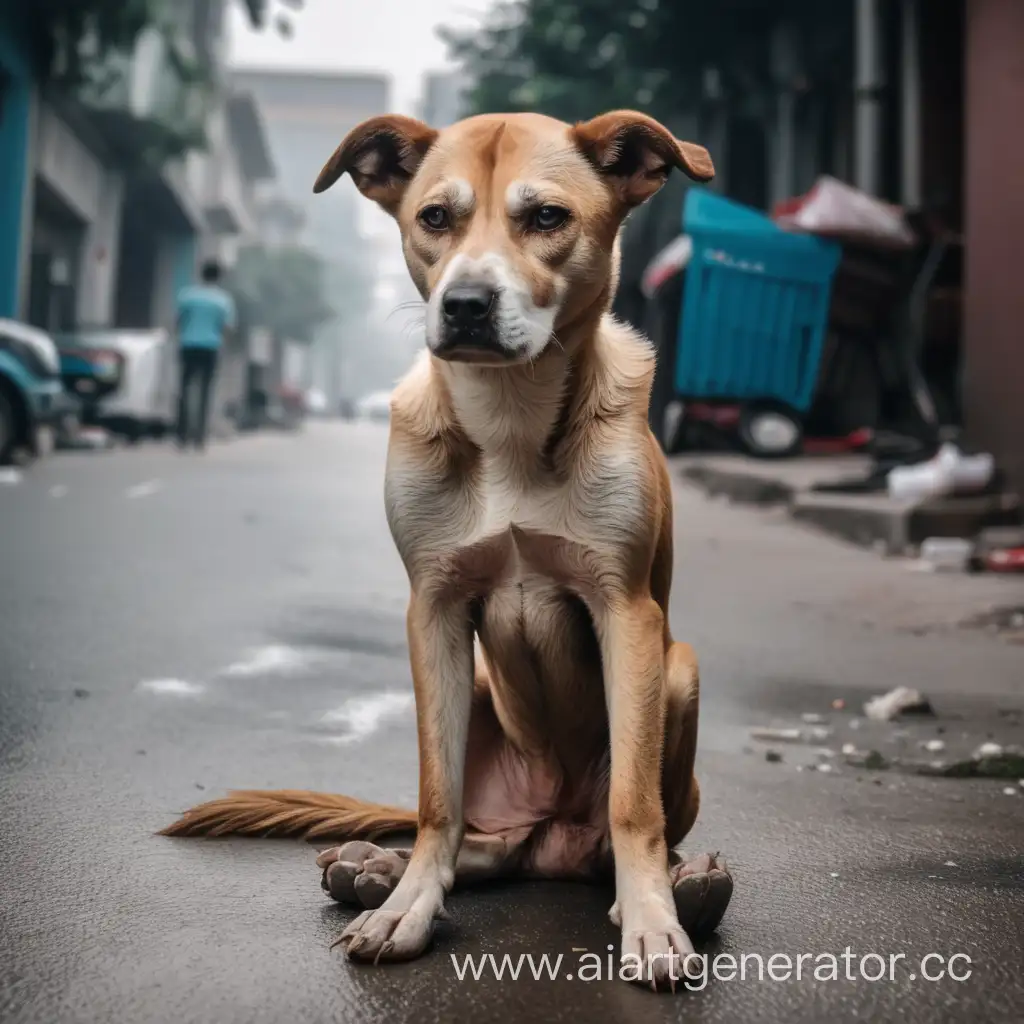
point(702, 888)
point(361, 873)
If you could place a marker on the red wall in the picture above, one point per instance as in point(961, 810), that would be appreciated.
point(994, 300)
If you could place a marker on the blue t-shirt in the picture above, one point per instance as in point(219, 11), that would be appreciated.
point(204, 313)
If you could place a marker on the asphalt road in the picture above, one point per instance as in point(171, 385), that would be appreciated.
point(173, 626)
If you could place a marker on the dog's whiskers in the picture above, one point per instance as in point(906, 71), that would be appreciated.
point(402, 306)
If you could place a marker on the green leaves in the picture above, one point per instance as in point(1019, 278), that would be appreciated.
point(574, 58)
point(283, 290)
point(70, 35)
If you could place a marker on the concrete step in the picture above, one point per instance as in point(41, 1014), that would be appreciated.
point(870, 520)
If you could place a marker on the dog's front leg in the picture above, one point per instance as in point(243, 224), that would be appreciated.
point(441, 652)
point(654, 945)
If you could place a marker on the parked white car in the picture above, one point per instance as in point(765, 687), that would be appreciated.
point(127, 379)
point(374, 406)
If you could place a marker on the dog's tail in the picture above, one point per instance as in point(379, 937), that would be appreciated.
point(292, 813)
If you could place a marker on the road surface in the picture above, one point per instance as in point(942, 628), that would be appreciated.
point(172, 626)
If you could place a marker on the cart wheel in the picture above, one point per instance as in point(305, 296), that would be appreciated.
point(770, 430)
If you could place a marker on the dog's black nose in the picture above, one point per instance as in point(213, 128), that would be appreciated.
point(467, 305)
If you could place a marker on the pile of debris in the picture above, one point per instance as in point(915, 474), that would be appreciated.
point(920, 756)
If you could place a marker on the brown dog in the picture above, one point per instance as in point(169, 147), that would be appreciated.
point(532, 509)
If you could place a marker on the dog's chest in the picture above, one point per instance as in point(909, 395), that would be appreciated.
point(509, 497)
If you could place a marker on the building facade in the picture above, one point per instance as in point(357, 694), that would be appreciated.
point(444, 98)
point(111, 193)
point(306, 116)
point(993, 371)
point(19, 96)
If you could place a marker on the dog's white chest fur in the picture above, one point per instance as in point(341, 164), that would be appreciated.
point(515, 506)
point(507, 500)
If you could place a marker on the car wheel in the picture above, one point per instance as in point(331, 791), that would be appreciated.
point(770, 430)
point(8, 428)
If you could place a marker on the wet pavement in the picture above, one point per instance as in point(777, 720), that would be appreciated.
point(172, 626)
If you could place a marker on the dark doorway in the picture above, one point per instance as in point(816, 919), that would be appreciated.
point(748, 162)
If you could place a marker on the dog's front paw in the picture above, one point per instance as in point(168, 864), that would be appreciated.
point(655, 947)
point(393, 933)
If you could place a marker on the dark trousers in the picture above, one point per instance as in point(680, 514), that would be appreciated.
point(198, 367)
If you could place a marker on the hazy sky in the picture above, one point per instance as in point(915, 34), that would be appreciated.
point(396, 36)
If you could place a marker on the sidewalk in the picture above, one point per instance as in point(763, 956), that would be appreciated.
point(871, 520)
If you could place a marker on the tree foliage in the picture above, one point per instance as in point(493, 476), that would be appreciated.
point(574, 58)
point(69, 35)
point(283, 289)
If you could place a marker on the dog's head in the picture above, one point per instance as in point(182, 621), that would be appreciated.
point(509, 221)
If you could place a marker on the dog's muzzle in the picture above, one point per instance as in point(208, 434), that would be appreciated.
point(468, 325)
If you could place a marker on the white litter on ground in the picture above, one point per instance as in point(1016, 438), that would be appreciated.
point(173, 687)
point(988, 750)
point(895, 702)
point(934, 746)
point(276, 658)
point(1010, 791)
point(362, 716)
point(950, 864)
point(143, 490)
point(10, 475)
point(777, 735)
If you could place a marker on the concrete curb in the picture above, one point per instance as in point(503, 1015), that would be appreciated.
point(745, 488)
point(868, 520)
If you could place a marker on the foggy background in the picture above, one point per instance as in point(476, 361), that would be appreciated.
point(345, 62)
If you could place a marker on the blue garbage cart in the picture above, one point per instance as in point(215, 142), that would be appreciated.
point(755, 308)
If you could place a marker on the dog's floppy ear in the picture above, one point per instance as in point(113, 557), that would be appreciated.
point(636, 153)
point(382, 156)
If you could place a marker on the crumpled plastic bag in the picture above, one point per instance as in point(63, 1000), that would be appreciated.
point(837, 210)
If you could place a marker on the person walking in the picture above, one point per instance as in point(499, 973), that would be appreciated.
point(206, 317)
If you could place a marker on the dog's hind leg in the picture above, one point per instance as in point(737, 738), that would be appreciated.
point(702, 887)
point(363, 874)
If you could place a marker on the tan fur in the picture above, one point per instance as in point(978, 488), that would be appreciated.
point(532, 509)
point(288, 813)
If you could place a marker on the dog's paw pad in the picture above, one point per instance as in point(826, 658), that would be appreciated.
point(361, 873)
point(702, 889)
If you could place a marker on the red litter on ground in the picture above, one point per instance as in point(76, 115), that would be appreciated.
point(1005, 560)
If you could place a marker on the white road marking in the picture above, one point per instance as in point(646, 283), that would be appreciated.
point(266, 660)
point(174, 687)
point(143, 490)
point(363, 716)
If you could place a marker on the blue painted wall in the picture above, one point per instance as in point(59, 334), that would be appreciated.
point(15, 138)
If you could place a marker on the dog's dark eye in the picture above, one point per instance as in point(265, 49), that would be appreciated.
point(548, 218)
point(435, 218)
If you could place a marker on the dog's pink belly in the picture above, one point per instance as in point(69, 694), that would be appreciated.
point(546, 838)
point(536, 768)
point(554, 825)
